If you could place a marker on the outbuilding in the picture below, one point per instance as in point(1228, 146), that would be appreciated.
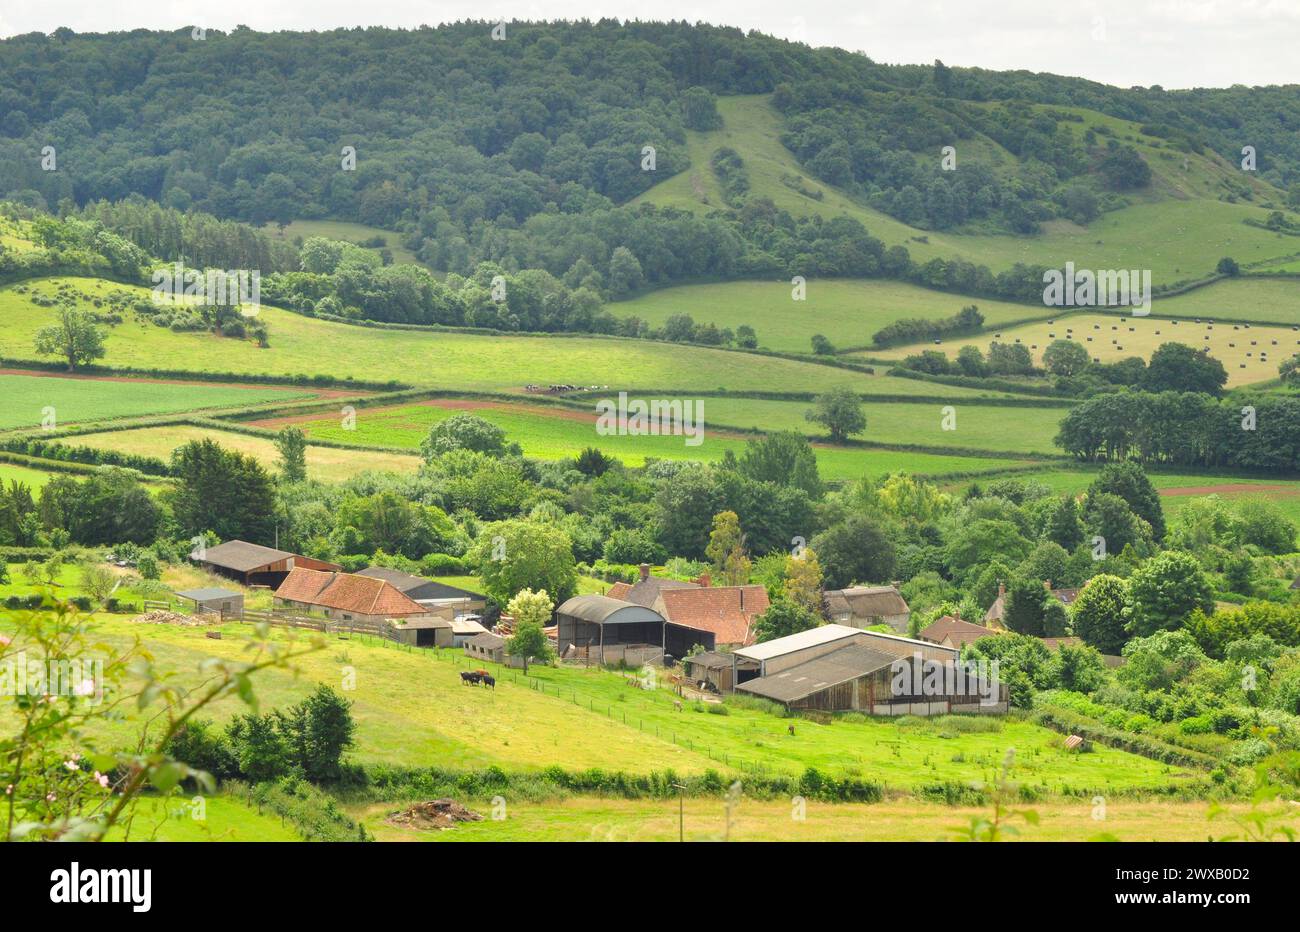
point(224, 602)
point(711, 670)
point(486, 646)
point(255, 565)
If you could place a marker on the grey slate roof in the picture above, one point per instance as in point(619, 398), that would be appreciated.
point(602, 610)
point(418, 587)
point(207, 595)
point(240, 555)
point(839, 666)
point(710, 660)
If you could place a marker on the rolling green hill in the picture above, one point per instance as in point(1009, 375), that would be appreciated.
point(1178, 229)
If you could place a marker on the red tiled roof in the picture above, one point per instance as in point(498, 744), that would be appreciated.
point(347, 592)
point(726, 611)
point(619, 591)
point(959, 633)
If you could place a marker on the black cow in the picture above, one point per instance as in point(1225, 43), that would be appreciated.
point(487, 679)
point(470, 678)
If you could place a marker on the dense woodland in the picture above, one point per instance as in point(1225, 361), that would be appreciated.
point(522, 152)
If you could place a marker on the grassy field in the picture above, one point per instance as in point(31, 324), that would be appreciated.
point(445, 360)
point(325, 463)
point(585, 819)
point(553, 432)
point(70, 400)
point(224, 818)
point(558, 433)
point(846, 311)
point(1250, 353)
point(1178, 488)
point(1179, 229)
point(348, 232)
point(411, 709)
point(35, 478)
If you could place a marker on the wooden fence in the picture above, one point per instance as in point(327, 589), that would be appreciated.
point(385, 629)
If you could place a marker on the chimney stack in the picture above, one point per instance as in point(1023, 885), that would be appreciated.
point(1047, 584)
point(645, 571)
point(704, 581)
point(1002, 589)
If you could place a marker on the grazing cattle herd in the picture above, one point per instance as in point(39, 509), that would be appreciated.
point(477, 677)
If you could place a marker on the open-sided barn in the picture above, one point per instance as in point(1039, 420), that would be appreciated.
point(596, 627)
point(835, 668)
point(255, 565)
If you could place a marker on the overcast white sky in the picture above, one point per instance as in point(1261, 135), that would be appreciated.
point(1174, 43)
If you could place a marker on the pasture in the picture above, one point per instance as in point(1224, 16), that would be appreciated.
point(348, 232)
point(600, 819)
point(460, 361)
point(34, 478)
point(223, 818)
point(30, 398)
point(412, 710)
point(1178, 488)
point(848, 312)
point(548, 432)
point(1250, 352)
point(326, 463)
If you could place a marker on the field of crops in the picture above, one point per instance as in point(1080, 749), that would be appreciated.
point(1250, 352)
point(325, 463)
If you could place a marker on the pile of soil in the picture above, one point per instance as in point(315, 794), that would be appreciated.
point(162, 617)
point(436, 814)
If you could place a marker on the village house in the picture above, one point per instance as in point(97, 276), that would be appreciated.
point(954, 632)
point(348, 597)
point(867, 606)
point(646, 590)
point(726, 614)
point(994, 616)
point(253, 564)
point(429, 591)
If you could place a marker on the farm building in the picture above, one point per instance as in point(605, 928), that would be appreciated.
point(836, 668)
point(465, 627)
point(596, 627)
point(486, 646)
point(253, 564)
point(218, 601)
point(954, 632)
point(711, 670)
point(424, 632)
point(429, 591)
point(867, 606)
point(347, 597)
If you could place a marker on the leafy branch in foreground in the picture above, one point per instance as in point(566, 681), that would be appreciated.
point(994, 827)
point(61, 779)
